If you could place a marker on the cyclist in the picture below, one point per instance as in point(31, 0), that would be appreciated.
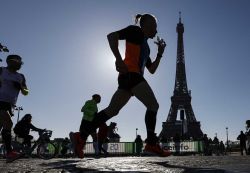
point(23, 127)
point(11, 83)
point(130, 80)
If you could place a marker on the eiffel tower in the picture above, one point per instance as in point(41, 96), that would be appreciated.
point(187, 126)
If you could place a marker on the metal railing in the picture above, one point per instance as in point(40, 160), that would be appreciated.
point(129, 148)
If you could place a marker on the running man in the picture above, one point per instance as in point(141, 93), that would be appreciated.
point(130, 80)
point(89, 111)
point(11, 83)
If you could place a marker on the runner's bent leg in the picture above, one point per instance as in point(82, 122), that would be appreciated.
point(6, 131)
point(119, 99)
point(95, 144)
point(144, 93)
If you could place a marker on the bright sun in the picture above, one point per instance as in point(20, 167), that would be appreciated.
point(106, 61)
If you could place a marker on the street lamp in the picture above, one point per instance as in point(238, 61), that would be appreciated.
point(18, 109)
point(227, 136)
point(136, 132)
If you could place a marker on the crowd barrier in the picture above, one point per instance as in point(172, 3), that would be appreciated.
point(129, 148)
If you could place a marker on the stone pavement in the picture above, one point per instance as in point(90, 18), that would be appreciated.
point(172, 164)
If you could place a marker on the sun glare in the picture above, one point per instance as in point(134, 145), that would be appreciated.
point(106, 61)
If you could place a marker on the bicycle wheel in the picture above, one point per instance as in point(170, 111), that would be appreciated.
point(46, 150)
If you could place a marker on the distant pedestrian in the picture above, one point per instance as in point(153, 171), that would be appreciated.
point(65, 146)
point(11, 83)
point(243, 138)
point(112, 132)
point(210, 146)
point(222, 148)
point(206, 144)
point(177, 138)
point(138, 145)
point(216, 145)
point(216, 140)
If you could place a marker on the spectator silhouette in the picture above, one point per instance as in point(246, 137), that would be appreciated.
point(65, 146)
point(177, 140)
point(216, 145)
point(242, 137)
point(138, 145)
point(222, 148)
point(206, 144)
point(112, 134)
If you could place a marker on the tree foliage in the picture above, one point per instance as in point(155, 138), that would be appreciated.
point(248, 123)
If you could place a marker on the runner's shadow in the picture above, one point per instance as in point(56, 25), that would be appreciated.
point(65, 165)
point(190, 169)
point(70, 166)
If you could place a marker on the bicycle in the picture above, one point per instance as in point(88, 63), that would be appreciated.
point(45, 148)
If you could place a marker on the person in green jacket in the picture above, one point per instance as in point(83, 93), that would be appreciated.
point(90, 108)
point(89, 111)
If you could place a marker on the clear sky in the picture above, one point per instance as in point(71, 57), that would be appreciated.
point(67, 59)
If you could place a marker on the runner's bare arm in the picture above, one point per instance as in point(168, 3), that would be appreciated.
point(113, 39)
point(24, 88)
point(154, 65)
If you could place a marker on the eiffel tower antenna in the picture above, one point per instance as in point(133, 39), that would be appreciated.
point(187, 126)
point(179, 17)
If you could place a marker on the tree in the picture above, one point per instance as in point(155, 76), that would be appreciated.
point(3, 48)
point(248, 126)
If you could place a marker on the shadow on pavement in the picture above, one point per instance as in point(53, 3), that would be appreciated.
point(64, 165)
point(70, 166)
point(189, 169)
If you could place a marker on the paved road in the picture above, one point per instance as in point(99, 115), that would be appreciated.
point(172, 164)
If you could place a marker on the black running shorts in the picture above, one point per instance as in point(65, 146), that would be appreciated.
point(129, 80)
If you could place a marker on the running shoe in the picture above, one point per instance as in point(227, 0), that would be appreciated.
point(77, 144)
point(156, 150)
point(13, 155)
